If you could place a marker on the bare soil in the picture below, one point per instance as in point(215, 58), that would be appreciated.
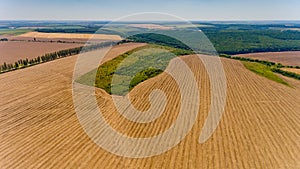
point(286, 58)
point(12, 51)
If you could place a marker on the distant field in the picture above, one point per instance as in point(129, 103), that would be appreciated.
point(13, 31)
point(12, 51)
point(292, 70)
point(152, 26)
point(71, 36)
point(286, 58)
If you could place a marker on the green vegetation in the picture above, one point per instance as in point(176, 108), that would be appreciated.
point(286, 73)
point(249, 41)
point(263, 70)
point(229, 38)
point(158, 39)
point(13, 31)
point(124, 72)
point(266, 68)
point(231, 41)
point(144, 75)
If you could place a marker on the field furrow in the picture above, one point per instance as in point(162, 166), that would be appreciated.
point(39, 127)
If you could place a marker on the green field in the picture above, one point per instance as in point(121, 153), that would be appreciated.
point(120, 75)
point(13, 31)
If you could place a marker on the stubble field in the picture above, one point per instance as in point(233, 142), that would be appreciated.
point(12, 51)
point(39, 127)
point(286, 58)
point(71, 36)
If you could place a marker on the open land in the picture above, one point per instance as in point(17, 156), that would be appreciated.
point(12, 51)
point(292, 70)
point(71, 36)
point(286, 58)
point(152, 26)
point(39, 127)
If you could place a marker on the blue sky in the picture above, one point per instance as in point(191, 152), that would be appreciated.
point(112, 9)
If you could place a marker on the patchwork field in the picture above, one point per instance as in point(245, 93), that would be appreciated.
point(286, 58)
point(39, 127)
point(12, 51)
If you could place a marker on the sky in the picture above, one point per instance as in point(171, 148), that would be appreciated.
point(113, 9)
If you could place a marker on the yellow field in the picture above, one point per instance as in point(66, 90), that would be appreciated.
point(151, 26)
point(292, 70)
point(71, 36)
point(39, 127)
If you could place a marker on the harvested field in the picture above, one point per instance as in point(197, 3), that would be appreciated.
point(70, 36)
point(286, 58)
point(12, 51)
point(292, 70)
point(151, 26)
point(40, 129)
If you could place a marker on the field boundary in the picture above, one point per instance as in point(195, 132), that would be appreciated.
point(23, 63)
point(274, 67)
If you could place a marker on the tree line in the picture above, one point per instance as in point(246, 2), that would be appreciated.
point(275, 67)
point(23, 63)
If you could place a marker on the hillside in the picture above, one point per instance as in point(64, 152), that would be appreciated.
point(39, 126)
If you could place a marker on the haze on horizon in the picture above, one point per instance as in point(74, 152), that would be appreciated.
point(189, 9)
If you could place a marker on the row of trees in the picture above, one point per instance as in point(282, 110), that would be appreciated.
point(286, 73)
point(267, 63)
point(275, 67)
point(22, 63)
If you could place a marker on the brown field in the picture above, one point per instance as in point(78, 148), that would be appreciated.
point(70, 36)
point(286, 58)
point(12, 51)
point(39, 127)
point(292, 70)
point(151, 26)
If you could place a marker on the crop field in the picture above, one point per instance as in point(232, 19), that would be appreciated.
point(151, 26)
point(70, 36)
point(12, 51)
point(13, 31)
point(286, 58)
point(292, 70)
point(39, 127)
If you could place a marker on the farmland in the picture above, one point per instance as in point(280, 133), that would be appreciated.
point(151, 26)
point(40, 126)
point(292, 70)
point(263, 70)
point(70, 36)
point(259, 128)
point(13, 31)
point(286, 58)
point(12, 51)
